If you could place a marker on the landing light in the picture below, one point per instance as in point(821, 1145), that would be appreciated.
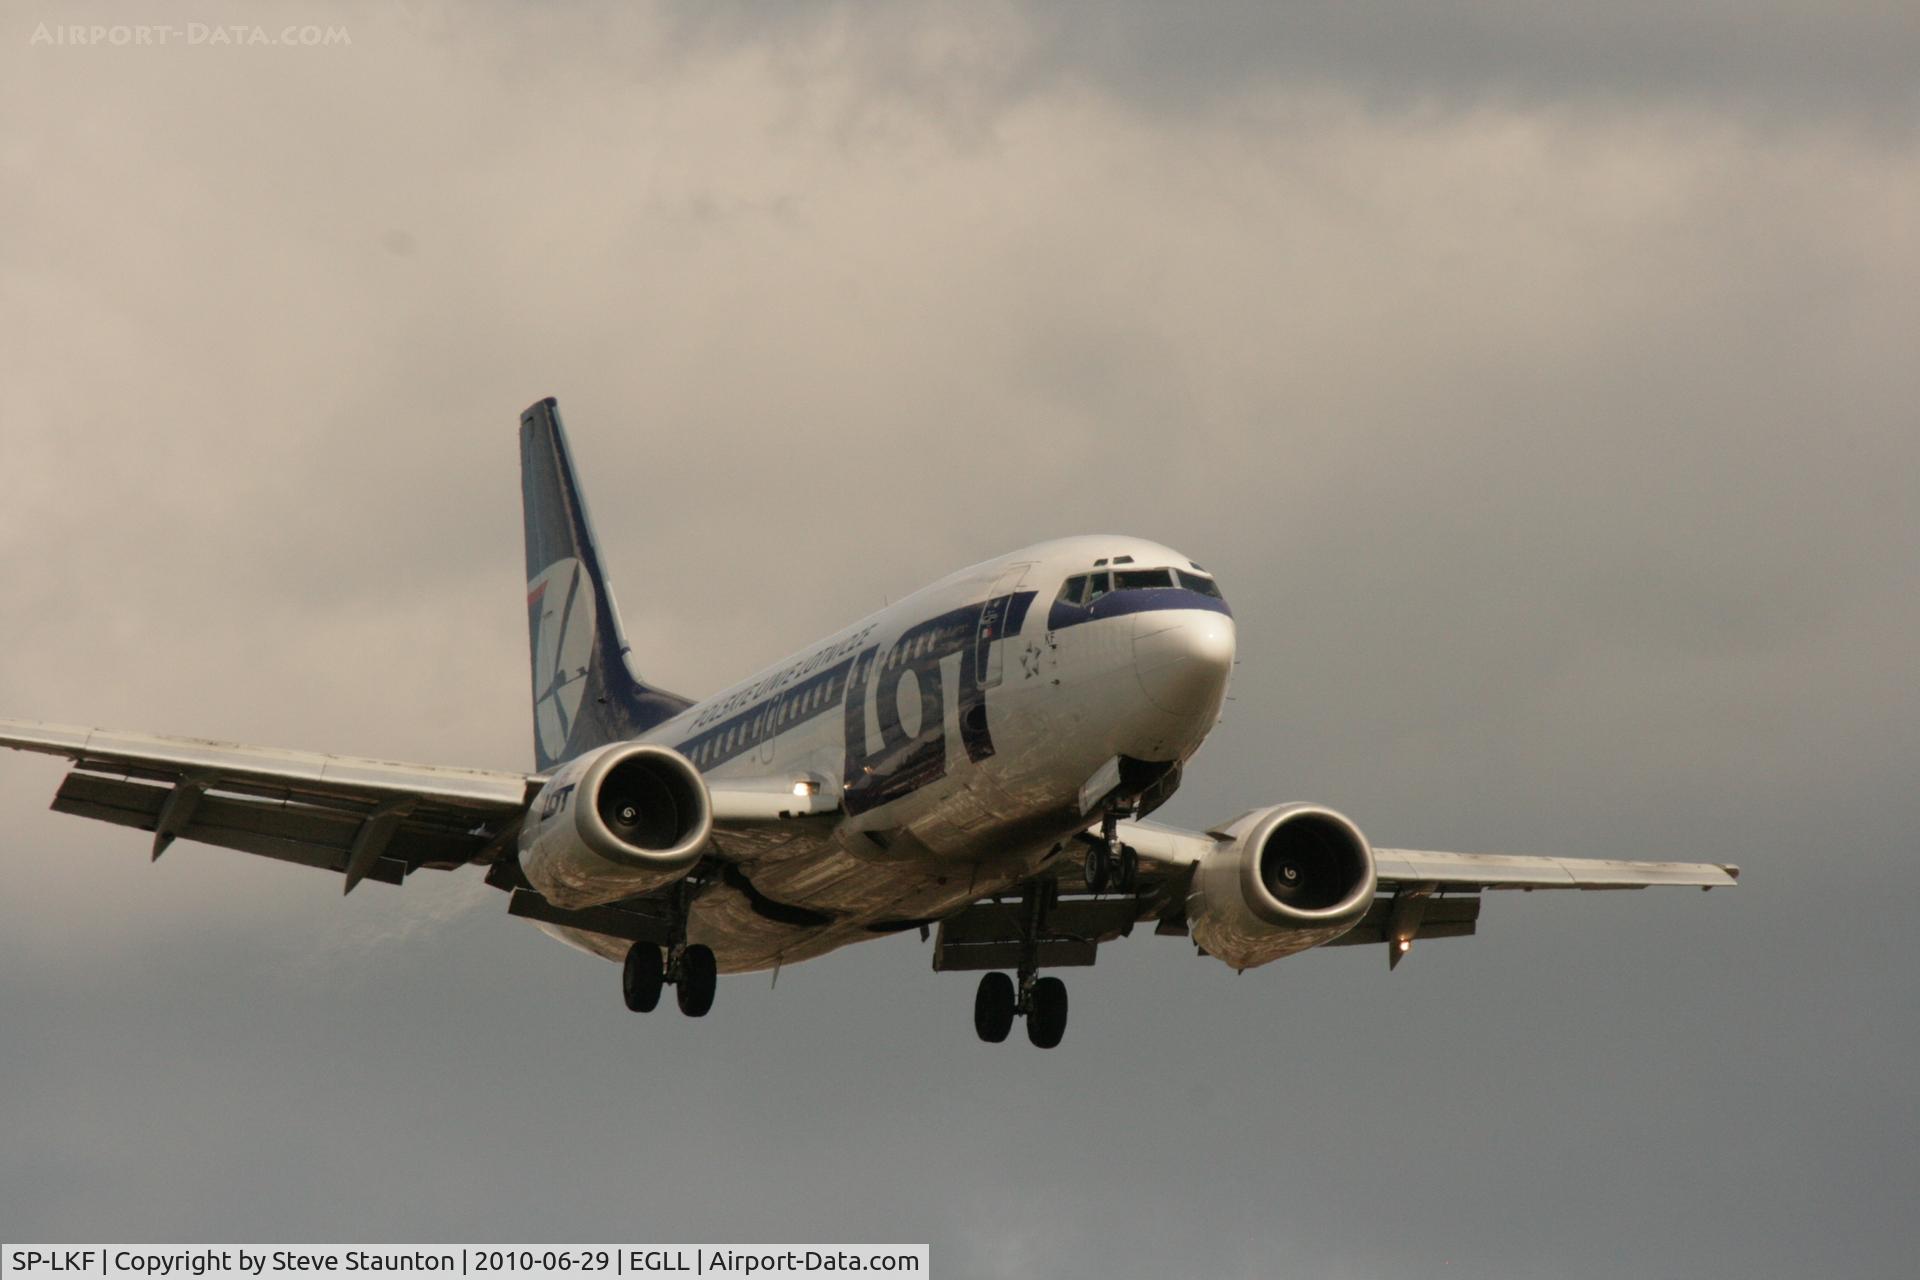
point(1405, 945)
point(805, 787)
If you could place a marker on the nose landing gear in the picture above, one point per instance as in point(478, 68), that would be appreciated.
point(1111, 864)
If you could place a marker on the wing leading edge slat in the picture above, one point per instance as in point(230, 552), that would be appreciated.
point(304, 772)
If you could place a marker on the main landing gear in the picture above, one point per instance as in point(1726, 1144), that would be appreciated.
point(1042, 1001)
point(1111, 864)
point(648, 969)
point(691, 970)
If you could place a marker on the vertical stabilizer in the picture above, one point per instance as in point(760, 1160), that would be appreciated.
point(584, 694)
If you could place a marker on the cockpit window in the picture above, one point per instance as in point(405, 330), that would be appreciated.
point(1096, 586)
point(1074, 590)
point(1200, 583)
point(1142, 579)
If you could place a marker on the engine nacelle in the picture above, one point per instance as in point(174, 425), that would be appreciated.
point(614, 823)
point(1291, 877)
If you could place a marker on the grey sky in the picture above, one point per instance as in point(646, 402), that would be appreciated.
point(1542, 393)
point(1770, 58)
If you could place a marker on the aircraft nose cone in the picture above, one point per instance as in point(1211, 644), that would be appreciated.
point(1183, 659)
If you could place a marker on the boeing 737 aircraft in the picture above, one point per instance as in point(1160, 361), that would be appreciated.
point(976, 762)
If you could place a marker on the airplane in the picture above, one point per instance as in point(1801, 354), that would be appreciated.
point(976, 762)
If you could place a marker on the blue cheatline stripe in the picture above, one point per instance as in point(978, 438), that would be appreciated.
point(741, 733)
point(1132, 600)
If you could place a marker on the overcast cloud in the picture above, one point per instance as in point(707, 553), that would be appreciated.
point(1541, 387)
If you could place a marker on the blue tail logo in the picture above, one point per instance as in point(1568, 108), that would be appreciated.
point(585, 695)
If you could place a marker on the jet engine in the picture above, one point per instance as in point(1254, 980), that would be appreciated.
point(1285, 879)
point(614, 823)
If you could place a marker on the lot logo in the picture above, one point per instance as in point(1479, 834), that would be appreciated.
point(560, 614)
point(909, 671)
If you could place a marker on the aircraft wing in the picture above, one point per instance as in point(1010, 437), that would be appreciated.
point(1415, 868)
point(1422, 894)
point(367, 819)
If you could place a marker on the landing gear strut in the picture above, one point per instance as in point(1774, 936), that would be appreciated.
point(1111, 864)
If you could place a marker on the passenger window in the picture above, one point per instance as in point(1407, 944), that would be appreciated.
point(1096, 586)
point(1142, 579)
point(1200, 583)
point(1074, 590)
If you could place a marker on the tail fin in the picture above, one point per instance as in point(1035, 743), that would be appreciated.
point(584, 694)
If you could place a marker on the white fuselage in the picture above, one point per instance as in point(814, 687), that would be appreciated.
point(970, 731)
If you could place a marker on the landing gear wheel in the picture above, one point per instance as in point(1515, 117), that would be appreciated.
point(1047, 1012)
point(1098, 868)
point(993, 1007)
point(1127, 875)
point(699, 976)
point(641, 977)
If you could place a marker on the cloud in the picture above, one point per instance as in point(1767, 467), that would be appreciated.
point(1542, 396)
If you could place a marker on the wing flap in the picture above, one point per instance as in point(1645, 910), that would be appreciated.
point(229, 824)
point(1051, 953)
point(1439, 918)
point(989, 935)
point(611, 922)
point(308, 834)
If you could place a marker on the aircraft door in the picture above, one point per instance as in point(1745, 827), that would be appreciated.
point(988, 657)
point(767, 731)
